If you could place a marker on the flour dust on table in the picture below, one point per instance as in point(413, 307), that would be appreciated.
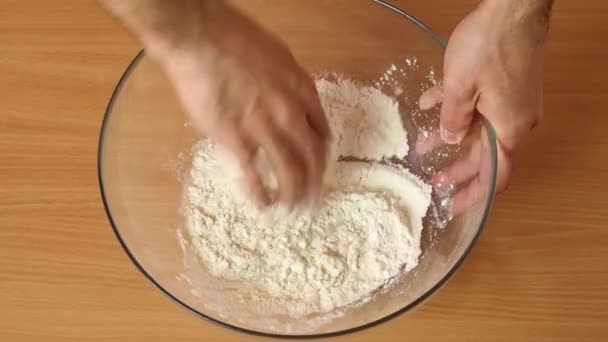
point(365, 232)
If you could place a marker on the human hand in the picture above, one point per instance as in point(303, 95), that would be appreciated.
point(493, 65)
point(244, 90)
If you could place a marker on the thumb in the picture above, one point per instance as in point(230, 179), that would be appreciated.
point(457, 110)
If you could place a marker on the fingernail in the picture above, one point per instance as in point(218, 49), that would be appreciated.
point(449, 136)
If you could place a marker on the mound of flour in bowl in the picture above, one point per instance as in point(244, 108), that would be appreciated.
point(366, 231)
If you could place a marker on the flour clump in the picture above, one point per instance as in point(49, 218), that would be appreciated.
point(367, 229)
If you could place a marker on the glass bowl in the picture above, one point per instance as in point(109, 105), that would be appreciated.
point(145, 154)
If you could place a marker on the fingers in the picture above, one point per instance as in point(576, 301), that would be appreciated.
point(505, 169)
point(288, 127)
point(462, 169)
point(244, 149)
point(427, 143)
point(471, 169)
point(301, 120)
point(317, 145)
point(315, 114)
point(457, 110)
point(478, 188)
point(313, 151)
point(291, 132)
point(317, 120)
point(286, 161)
point(307, 134)
point(467, 197)
point(478, 172)
point(430, 98)
point(295, 154)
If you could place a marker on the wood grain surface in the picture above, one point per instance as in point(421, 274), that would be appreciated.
point(539, 272)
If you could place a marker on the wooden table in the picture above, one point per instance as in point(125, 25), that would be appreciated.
point(539, 273)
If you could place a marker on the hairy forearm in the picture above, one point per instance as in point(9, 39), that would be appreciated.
point(165, 24)
point(537, 9)
point(523, 18)
point(540, 8)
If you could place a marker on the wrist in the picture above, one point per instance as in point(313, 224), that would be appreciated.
point(183, 30)
point(530, 17)
point(164, 26)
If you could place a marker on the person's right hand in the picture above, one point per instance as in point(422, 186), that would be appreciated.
point(244, 90)
point(493, 66)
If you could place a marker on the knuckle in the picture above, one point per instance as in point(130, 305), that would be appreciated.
point(503, 185)
point(534, 123)
point(457, 90)
point(453, 86)
point(536, 119)
point(282, 109)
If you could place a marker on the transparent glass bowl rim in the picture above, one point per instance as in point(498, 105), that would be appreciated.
point(493, 152)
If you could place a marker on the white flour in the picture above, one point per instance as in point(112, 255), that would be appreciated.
point(367, 229)
point(364, 122)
